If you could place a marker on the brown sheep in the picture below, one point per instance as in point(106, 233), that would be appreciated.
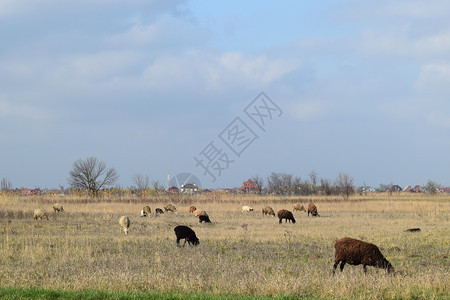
point(299, 207)
point(38, 213)
point(198, 213)
point(286, 215)
point(356, 252)
point(192, 209)
point(58, 207)
point(312, 209)
point(146, 211)
point(170, 207)
point(267, 210)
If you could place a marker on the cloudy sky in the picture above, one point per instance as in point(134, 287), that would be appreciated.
point(356, 87)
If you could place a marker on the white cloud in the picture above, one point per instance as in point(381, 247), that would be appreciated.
point(400, 43)
point(434, 78)
point(439, 119)
point(19, 110)
point(203, 70)
point(310, 110)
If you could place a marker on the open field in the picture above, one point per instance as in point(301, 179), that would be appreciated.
point(239, 253)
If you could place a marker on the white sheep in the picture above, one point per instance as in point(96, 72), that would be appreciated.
point(39, 214)
point(124, 223)
point(58, 207)
point(246, 208)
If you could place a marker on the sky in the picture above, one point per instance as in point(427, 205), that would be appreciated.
point(225, 90)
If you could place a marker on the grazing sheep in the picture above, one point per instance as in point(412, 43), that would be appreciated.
point(286, 215)
point(58, 207)
point(267, 210)
point(146, 211)
point(246, 208)
point(186, 233)
point(203, 218)
point(124, 223)
point(312, 209)
point(198, 213)
point(170, 207)
point(192, 209)
point(159, 211)
point(356, 252)
point(38, 213)
point(299, 207)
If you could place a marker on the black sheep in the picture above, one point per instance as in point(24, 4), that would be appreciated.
point(186, 233)
point(356, 252)
point(203, 218)
point(286, 215)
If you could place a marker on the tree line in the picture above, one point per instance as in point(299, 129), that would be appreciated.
point(92, 175)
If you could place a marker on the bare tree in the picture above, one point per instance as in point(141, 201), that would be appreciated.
point(91, 175)
point(344, 184)
point(259, 182)
point(142, 182)
point(157, 185)
point(432, 187)
point(6, 185)
point(313, 176)
point(282, 183)
point(325, 187)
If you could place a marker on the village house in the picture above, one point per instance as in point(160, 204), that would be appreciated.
point(249, 186)
point(189, 188)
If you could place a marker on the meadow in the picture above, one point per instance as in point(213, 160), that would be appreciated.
point(242, 254)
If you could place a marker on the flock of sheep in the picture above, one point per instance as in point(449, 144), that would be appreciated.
point(347, 250)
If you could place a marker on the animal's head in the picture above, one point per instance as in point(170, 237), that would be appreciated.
point(126, 231)
point(293, 221)
point(45, 216)
point(385, 264)
point(195, 241)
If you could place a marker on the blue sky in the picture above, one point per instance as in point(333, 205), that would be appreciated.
point(145, 86)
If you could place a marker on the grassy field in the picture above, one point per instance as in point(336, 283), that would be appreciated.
point(239, 253)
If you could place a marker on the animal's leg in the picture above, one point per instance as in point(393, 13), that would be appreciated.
point(342, 265)
point(280, 221)
point(178, 242)
point(365, 269)
point(335, 266)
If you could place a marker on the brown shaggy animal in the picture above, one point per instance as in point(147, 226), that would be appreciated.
point(146, 211)
point(192, 209)
point(299, 207)
point(38, 213)
point(312, 209)
point(286, 215)
point(267, 210)
point(58, 207)
point(170, 207)
point(356, 252)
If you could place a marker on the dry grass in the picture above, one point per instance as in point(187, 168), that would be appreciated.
point(239, 252)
